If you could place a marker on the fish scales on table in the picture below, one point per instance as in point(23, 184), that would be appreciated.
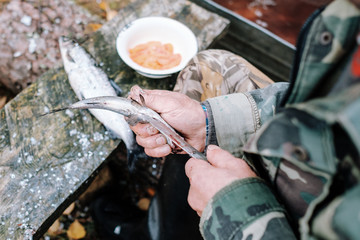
point(135, 112)
point(89, 81)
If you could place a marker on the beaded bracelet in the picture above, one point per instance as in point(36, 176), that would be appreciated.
point(207, 123)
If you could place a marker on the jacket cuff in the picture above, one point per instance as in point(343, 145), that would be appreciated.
point(237, 206)
point(236, 118)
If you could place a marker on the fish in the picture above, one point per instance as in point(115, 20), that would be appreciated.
point(89, 81)
point(136, 112)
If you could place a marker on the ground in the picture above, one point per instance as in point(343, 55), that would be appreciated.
point(29, 33)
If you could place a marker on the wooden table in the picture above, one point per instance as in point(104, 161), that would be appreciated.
point(46, 162)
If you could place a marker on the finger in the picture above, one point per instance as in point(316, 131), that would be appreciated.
point(161, 151)
point(153, 99)
point(223, 159)
point(159, 92)
point(144, 129)
point(135, 91)
point(151, 141)
point(195, 201)
point(193, 166)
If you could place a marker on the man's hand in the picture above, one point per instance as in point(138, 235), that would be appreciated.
point(206, 179)
point(184, 114)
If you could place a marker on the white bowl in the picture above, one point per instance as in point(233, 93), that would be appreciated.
point(165, 30)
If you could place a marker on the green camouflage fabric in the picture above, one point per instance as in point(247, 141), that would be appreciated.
point(217, 72)
point(302, 138)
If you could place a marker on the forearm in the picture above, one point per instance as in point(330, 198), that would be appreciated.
point(245, 208)
point(234, 118)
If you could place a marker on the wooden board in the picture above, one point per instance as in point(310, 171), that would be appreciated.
point(46, 162)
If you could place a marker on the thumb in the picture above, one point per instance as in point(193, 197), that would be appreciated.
point(153, 99)
point(223, 159)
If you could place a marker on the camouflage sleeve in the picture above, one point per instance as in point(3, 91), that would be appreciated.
point(237, 212)
point(340, 218)
point(234, 118)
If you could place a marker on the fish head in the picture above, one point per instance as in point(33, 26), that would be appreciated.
point(67, 46)
point(73, 55)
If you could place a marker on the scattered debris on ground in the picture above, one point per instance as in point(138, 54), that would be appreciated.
point(29, 33)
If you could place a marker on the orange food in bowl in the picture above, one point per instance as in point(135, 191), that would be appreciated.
point(155, 55)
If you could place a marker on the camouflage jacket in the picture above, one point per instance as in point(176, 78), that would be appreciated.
point(303, 139)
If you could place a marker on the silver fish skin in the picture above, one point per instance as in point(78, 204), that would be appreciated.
point(88, 81)
point(135, 113)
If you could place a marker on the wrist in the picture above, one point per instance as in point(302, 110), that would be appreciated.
point(201, 131)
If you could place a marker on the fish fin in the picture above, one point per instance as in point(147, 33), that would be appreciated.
point(116, 87)
point(112, 134)
point(142, 99)
point(69, 58)
point(134, 155)
point(132, 120)
point(81, 96)
point(135, 102)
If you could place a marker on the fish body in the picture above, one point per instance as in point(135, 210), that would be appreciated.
point(89, 81)
point(135, 113)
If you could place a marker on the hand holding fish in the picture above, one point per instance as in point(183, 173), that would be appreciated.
point(207, 178)
point(183, 113)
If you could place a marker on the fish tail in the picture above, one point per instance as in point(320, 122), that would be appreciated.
point(52, 111)
point(133, 156)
